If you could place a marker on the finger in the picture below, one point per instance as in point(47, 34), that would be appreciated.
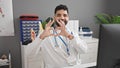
point(52, 34)
point(50, 22)
point(57, 28)
point(32, 31)
point(62, 22)
point(33, 35)
point(51, 28)
point(59, 22)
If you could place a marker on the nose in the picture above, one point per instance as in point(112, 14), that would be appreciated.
point(62, 17)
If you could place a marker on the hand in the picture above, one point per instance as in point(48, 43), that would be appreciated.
point(33, 35)
point(47, 32)
point(62, 28)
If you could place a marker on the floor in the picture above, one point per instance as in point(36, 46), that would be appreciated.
point(88, 65)
point(92, 67)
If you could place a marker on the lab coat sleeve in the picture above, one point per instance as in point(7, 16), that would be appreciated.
point(33, 53)
point(79, 44)
point(33, 48)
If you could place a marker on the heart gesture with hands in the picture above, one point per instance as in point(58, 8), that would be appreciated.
point(62, 28)
point(48, 28)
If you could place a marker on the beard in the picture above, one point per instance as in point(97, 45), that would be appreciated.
point(65, 21)
point(56, 23)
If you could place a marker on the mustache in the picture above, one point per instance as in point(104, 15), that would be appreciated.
point(65, 21)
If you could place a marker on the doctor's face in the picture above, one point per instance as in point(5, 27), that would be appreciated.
point(62, 15)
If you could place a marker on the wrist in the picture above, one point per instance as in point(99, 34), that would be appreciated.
point(70, 36)
point(42, 36)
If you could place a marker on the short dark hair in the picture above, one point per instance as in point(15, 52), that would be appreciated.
point(61, 7)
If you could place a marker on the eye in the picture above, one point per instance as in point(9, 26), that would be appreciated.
point(65, 15)
point(58, 15)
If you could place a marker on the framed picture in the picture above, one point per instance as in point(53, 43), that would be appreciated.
point(6, 18)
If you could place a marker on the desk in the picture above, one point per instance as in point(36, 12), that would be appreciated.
point(91, 55)
point(88, 59)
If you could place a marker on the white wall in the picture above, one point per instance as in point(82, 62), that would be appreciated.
point(82, 10)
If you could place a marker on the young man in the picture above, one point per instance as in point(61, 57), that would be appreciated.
point(57, 47)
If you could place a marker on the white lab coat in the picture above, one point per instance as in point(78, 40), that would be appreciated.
point(56, 57)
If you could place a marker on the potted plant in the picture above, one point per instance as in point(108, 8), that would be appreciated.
point(103, 18)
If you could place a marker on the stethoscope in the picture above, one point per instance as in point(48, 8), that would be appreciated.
point(56, 44)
